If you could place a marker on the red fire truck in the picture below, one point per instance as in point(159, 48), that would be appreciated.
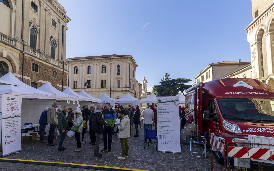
point(235, 111)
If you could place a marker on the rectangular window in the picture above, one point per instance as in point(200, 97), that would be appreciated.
point(52, 52)
point(209, 74)
point(256, 14)
point(53, 23)
point(34, 6)
point(103, 83)
point(118, 84)
point(133, 73)
point(35, 67)
point(34, 84)
point(33, 40)
point(202, 78)
point(103, 69)
point(206, 75)
point(88, 83)
point(54, 74)
point(74, 84)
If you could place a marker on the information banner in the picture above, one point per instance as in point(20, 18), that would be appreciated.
point(168, 124)
point(11, 123)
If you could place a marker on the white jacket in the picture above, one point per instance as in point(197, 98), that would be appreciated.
point(124, 128)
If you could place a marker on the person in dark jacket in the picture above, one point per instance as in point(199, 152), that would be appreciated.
point(97, 127)
point(70, 118)
point(91, 132)
point(136, 120)
point(43, 123)
point(62, 127)
point(85, 114)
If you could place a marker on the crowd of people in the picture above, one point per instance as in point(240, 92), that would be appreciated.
point(101, 123)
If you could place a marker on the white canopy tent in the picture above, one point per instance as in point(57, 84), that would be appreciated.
point(70, 92)
point(182, 98)
point(150, 99)
point(47, 87)
point(85, 94)
point(105, 99)
point(23, 89)
point(128, 99)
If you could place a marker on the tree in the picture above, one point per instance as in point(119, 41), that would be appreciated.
point(170, 87)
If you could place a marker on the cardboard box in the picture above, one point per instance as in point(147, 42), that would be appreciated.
point(35, 136)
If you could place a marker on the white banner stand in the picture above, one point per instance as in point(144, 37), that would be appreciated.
point(11, 123)
point(168, 124)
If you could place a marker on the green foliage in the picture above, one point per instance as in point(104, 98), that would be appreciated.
point(170, 87)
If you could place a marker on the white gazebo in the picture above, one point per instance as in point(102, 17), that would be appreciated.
point(182, 98)
point(85, 94)
point(105, 99)
point(150, 99)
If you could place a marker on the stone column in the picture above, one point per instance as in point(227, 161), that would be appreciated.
point(256, 60)
point(124, 74)
point(94, 75)
point(97, 77)
point(18, 19)
point(12, 23)
point(112, 74)
point(26, 29)
point(70, 73)
point(108, 77)
point(65, 42)
point(60, 43)
point(270, 53)
point(42, 27)
point(47, 36)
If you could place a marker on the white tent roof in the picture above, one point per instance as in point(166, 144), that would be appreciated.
point(182, 98)
point(23, 89)
point(105, 99)
point(85, 94)
point(150, 99)
point(47, 87)
point(70, 92)
point(126, 99)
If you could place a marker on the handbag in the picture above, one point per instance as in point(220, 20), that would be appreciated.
point(74, 128)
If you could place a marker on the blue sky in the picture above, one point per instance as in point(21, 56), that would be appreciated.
point(180, 37)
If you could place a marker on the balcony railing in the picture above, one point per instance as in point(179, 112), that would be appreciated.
point(6, 39)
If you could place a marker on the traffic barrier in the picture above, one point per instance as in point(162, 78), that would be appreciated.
point(251, 153)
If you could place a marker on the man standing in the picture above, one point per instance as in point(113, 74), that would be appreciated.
point(43, 123)
point(91, 131)
point(62, 127)
point(110, 117)
point(148, 117)
point(52, 120)
point(70, 118)
point(85, 115)
point(97, 127)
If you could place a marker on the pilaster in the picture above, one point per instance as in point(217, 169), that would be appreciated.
point(270, 53)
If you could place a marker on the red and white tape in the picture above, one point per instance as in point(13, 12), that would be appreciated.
point(251, 153)
point(217, 143)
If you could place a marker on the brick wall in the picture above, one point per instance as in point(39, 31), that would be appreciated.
point(44, 73)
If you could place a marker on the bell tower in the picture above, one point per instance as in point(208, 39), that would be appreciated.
point(258, 6)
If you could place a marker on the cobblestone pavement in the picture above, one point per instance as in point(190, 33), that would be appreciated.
point(139, 158)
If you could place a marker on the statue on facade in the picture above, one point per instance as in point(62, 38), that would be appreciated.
point(144, 86)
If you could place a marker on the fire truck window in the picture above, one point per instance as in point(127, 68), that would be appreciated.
point(250, 109)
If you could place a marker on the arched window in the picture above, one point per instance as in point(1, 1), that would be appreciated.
point(5, 2)
point(4, 68)
point(76, 70)
point(118, 70)
point(33, 38)
point(89, 69)
point(104, 69)
point(53, 47)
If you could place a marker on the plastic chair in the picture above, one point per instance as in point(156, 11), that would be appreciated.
point(199, 140)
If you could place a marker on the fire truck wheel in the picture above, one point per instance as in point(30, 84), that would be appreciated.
point(219, 158)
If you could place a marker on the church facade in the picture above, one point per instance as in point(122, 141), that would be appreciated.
point(260, 35)
point(33, 41)
point(114, 75)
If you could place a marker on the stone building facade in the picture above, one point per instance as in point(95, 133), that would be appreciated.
point(114, 75)
point(219, 70)
point(33, 41)
point(260, 35)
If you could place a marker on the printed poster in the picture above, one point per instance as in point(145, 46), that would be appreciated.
point(11, 123)
point(168, 124)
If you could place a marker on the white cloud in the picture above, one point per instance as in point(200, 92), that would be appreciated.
point(146, 25)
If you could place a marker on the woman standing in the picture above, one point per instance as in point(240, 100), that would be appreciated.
point(136, 120)
point(79, 124)
point(124, 133)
